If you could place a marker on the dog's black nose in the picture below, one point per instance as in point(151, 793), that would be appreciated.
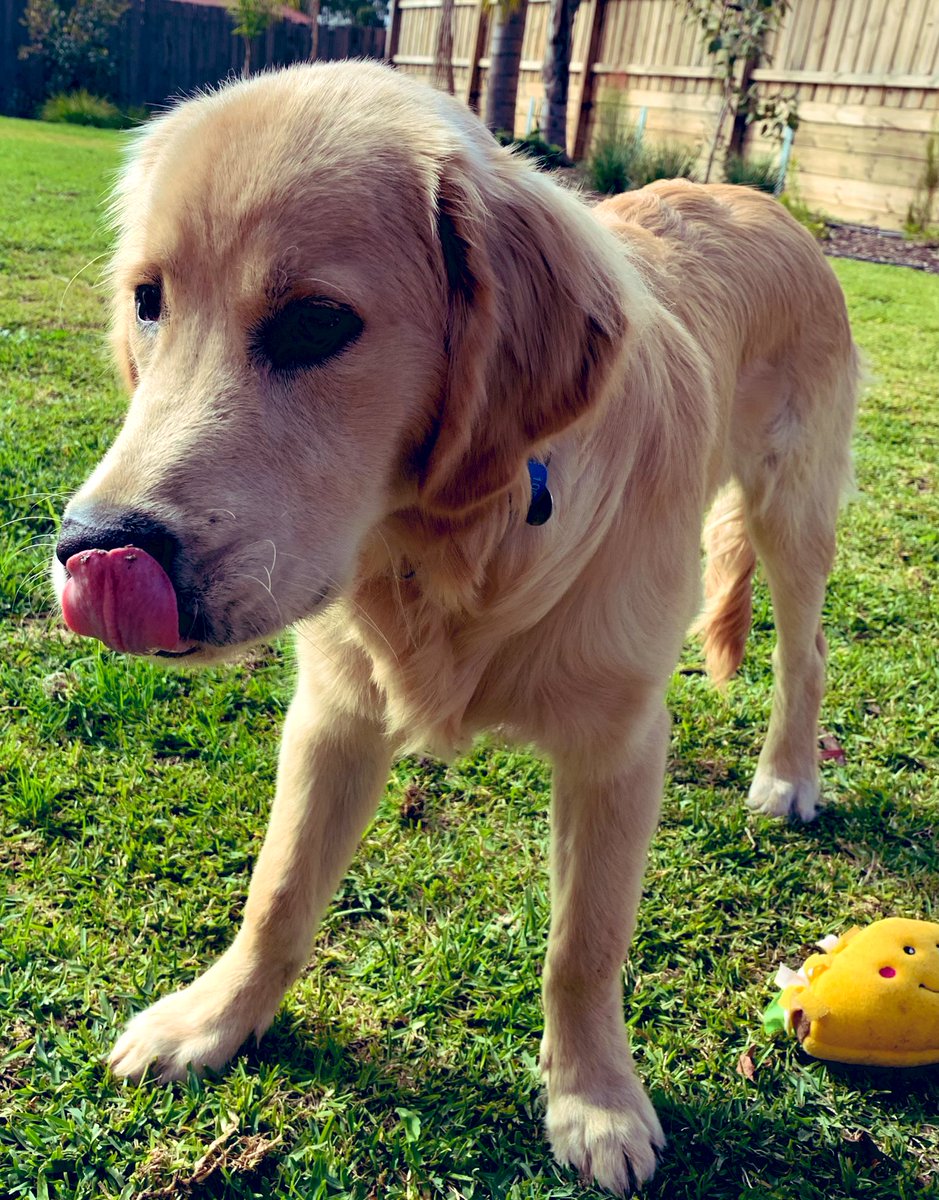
point(100, 528)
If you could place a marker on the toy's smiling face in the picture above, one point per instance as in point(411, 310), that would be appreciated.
point(905, 956)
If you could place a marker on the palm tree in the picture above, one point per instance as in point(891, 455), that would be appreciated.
point(505, 56)
point(252, 18)
point(556, 71)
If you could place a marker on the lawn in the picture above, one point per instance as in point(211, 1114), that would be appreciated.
point(403, 1062)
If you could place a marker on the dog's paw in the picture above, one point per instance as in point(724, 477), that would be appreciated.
point(778, 797)
point(614, 1145)
point(194, 1027)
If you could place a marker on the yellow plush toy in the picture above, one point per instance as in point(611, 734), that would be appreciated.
point(871, 996)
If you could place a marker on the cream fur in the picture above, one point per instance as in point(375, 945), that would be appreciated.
point(659, 347)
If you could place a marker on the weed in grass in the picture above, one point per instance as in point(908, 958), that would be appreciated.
point(133, 802)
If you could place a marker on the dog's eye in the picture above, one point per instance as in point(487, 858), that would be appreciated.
point(305, 333)
point(148, 299)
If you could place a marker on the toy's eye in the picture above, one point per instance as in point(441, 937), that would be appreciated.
point(887, 972)
point(908, 950)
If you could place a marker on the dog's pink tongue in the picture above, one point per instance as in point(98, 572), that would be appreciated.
point(124, 597)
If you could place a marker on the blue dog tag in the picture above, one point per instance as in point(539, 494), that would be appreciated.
point(542, 504)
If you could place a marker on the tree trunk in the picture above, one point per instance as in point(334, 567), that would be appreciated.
point(508, 33)
point(443, 55)
point(726, 106)
point(556, 72)
point(312, 10)
point(738, 133)
point(246, 67)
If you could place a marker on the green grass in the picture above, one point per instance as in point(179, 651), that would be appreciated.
point(402, 1065)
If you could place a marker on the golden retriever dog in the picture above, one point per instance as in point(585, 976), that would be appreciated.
point(350, 321)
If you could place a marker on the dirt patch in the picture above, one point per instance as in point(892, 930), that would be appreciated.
point(241, 1156)
point(879, 246)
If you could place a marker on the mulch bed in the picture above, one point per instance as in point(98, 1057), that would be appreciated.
point(879, 246)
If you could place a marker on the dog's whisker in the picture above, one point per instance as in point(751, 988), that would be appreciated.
point(260, 582)
point(35, 496)
point(91, 263)
point(397, 586)
point(193, 622)
point(23, 517)
point(28, 586)
point(38, 541)
point(333, 582)
point(304, 636)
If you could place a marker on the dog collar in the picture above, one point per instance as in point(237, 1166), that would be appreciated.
point(542, 504)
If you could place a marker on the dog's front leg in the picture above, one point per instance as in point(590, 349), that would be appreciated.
point(333, 765)
point(604, 812)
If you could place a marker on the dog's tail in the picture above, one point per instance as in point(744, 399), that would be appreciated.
point(728, 577)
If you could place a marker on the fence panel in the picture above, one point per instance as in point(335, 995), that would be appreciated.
point(166, 48)
point(865, 74)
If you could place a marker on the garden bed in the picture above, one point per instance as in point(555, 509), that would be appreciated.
point(879, 246)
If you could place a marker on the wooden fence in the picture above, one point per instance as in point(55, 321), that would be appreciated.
point(164, 48)
point(865, 74)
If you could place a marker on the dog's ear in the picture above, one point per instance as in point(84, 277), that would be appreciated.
point(535, 326)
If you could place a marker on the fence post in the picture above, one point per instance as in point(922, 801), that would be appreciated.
point(477, 46)
point(394, 32)
point(595, 11)
point(788, 134)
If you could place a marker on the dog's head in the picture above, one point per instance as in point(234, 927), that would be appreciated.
point(335, 298)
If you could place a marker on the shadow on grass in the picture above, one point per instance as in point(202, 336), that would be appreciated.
point(773, 1150)
point(485, 1127)
point(878, 831)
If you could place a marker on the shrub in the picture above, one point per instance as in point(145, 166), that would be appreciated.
point(546, 154)
point(761, 173)
point(82, 108)
point(664, 160)
point(813, 221)
point(70, 39)
point(135, 114)
point(919, 216)
point(621, 161)
point(611, 167)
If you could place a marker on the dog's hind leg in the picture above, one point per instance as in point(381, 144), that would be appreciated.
point(333, 765)
point(791, 502)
